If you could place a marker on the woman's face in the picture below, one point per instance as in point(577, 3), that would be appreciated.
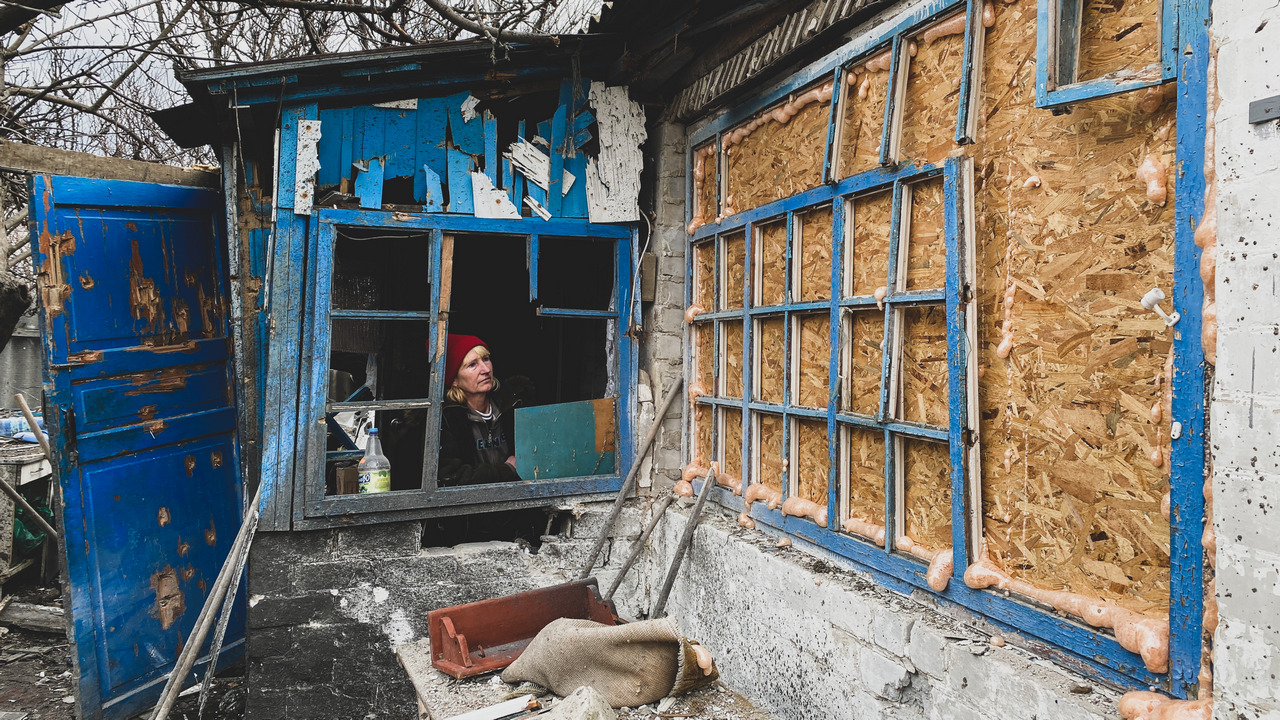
point(475, 375)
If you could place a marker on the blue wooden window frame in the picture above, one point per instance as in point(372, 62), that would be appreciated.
point(313, 507)
point(1069, 641)
point(1057, 50)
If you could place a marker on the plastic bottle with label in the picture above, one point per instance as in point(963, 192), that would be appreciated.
point(374, 468)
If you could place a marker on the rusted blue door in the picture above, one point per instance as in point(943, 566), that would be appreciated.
point(139, 404)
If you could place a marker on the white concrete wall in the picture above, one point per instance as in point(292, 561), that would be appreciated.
point(1245, 412)
point(804, 638)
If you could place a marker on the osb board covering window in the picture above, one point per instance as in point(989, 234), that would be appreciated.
point(731, 446)
point(869, 254)
point(705, 200)
point(865, 336)
point(864, 453)
point(777, 160)
point(1071, 495)
point(923, 396)
point(704, 354)
point(933, 93)
point(862, 120)
point(809, 471)
point(772, 247)
point(927, 240)
point(703, 429)
point(731, 351)
point(735, 269)
point(812, 349)
point(814, 258)
point(1118, 35)
point(926, 479)
point(704, 275)
point(772, 354)
point(770, 452)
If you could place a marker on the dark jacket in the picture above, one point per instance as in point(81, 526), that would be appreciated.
point(474, 451)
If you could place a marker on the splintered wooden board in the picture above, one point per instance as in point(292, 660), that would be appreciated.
point(566, 440)
point(1078, 507)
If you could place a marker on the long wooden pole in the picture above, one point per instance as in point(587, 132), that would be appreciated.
point(630, 481)
point(685, 541)
point(639, 544)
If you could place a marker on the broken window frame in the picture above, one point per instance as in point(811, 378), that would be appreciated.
point(313, 508)
point(1087, 649)
point(1057, 54)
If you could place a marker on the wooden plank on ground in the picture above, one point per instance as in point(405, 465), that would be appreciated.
point(33, 617)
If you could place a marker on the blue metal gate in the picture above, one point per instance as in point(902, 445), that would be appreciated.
point(141, 412)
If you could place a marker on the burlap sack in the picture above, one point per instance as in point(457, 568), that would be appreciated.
point(632, 664)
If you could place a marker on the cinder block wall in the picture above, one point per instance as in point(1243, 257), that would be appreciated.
point(1245, 412)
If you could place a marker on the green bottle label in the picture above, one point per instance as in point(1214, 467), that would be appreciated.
point(375, 481)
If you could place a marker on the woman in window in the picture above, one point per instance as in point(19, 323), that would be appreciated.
point(477, 434)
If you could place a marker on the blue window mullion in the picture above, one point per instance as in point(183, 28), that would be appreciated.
point(890, 491)
point(888, 151)
point(748, 292)
point(886, 353)
point(957, 365)
point(833, 118)
point(838, 208)
point(532, 262)
point(970, 67)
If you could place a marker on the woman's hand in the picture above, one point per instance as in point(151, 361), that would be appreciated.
point(512, 462)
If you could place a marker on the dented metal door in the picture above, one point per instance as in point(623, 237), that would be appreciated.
point(139, 403)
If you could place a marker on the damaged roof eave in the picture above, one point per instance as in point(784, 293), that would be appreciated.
point(429, 65)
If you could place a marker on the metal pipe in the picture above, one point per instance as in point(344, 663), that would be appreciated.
point(627, 484)
point(685, 541)
point(638, 547)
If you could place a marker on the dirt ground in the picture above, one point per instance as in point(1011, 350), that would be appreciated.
point(36, 673)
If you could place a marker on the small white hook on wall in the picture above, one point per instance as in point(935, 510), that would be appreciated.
point(1152, 300)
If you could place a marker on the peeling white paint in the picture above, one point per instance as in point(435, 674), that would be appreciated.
point(306, 165)
point(491, 202)
point(469, 108)
point(411, 104)
point(613, 178)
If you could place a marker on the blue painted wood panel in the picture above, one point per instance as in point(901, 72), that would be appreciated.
point(142, 419)
point(566, 440)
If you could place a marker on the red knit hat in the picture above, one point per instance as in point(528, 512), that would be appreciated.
point(455, 351)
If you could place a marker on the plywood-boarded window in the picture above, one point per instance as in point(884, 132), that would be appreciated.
point(926, 256)
point(733, 270)
point(865, 90)
point(923, 396)
point(704, 355)
point(868, 257)
point(863, 338)
point(771, 355)
point(932, 94)
point(771, 254)
point(926, 489)
point(862, 477)
point(1117, 35)
point(703, 433)
point(730, 447)
point(770, 450)
point(706, 177)
point(813, 255)
point(731, 355)
point(779, 152)
point(810, 460)
point(811, 348)
point(704, 275)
